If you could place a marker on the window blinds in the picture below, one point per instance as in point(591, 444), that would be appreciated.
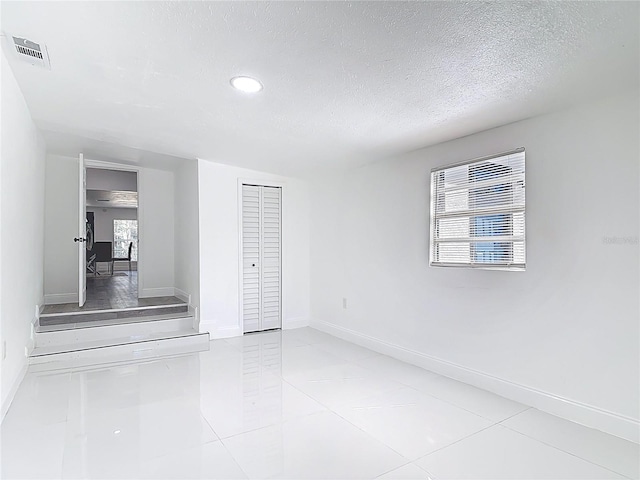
point(478, 213)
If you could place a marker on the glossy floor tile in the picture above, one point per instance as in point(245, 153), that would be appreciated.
point(294, 404)
point(410, 471)
point(341, 384)
point(476, 400)
point(597, 447)
point(321, 445)
point(18, 444)
point(500, 453)
point(412, 423)
point(209, 460)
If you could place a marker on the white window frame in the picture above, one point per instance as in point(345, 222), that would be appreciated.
point(495, 231)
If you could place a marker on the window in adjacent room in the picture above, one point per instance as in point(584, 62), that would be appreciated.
point(478, 213)
point(125, 231)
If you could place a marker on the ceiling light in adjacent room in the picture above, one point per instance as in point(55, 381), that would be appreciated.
point(246, 84)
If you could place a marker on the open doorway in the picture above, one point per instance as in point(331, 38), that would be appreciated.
point(112, 224)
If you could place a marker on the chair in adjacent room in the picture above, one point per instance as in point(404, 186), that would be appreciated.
point(123, 259)
point(104, 254)
point(91, 264)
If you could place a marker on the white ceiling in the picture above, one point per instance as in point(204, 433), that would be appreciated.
point(344, 83)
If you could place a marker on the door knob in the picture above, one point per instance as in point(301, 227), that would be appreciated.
point(76, 239)
point(253, 264)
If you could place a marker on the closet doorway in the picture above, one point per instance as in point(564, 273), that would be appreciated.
point(261, 257)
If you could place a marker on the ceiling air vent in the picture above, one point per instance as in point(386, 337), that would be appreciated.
point(32, 52)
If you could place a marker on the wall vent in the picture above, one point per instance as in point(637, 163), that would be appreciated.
point(32, 52)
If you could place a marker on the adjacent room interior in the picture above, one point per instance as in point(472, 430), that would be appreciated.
point(320, 240)
point(111, 211)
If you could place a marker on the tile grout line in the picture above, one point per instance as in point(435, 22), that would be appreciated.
point(457, 441)
point(327, 409)
point(349, 422)
point(220, 439)
point(444, 399)
point(500, 422)
point(564, 451)
point(235, 460)
point(514, 415)
point(415, 389)
point(394, 469)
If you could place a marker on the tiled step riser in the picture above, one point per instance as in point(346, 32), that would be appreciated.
point(121, 353)
point(81, 317)
point(81, 335)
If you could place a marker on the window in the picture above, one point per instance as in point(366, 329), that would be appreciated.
point(125, 231)
point(478, 213)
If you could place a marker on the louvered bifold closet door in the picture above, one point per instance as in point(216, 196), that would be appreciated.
point(261, 258)
point(251, 258)
point(271, 258)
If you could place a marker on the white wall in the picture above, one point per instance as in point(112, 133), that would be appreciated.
point(155, 225)
point(103, 179)
point(562, 336)
point(187, 241)
point(22, 214)
point(219, 248)
point(61, 226)
point(156, 233)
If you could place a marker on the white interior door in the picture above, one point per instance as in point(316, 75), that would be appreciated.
point(251, 258)
point(270, 258)
point(82, 231)
point(261, 258)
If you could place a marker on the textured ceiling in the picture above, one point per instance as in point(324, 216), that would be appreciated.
point(344, 83)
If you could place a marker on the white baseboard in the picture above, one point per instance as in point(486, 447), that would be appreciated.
point(182, 295)
point(56, 298)
point(588, 415)
point(32, 332)
point(6, 403)
point(236, 331)
point(216, 332)
point(219, 332)
point(196, 317)
point(157, 292)
point(296, 322)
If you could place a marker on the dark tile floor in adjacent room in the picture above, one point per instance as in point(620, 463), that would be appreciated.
point(111, 291)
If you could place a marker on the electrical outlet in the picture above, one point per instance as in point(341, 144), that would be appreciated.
point(4, 349)
point(344, 303)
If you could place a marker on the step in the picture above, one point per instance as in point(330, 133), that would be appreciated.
point(117, 350)
point(71, 334)
point(69, 318)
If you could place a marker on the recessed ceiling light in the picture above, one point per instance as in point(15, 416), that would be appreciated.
point(246, 84)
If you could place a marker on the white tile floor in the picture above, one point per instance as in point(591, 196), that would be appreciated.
point(296, 404)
